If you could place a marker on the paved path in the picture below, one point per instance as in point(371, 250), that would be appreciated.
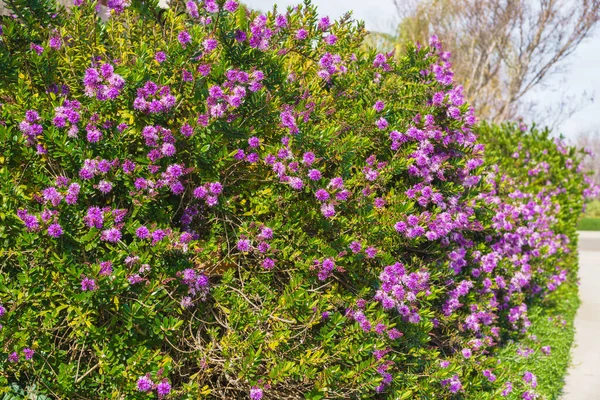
point(583, 379)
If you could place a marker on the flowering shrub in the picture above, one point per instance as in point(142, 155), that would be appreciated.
point(208, 202)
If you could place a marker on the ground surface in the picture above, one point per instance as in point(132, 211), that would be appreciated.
point(583, 378)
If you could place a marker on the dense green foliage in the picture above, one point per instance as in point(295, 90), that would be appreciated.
point(537, 161)
point(552, 324)
point(522, 153)
point(214, 204)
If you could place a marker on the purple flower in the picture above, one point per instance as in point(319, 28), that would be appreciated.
point(210, 44)
point(314, 174)
point(105, 186)
point(163, 388)
point(382, 123)
point(336, 183)
point(400, 227)
point(192, 9)
point(256, 393)
point(379, 202)
point(184, 38)
point(103, 85)
point(455, 385)
point(379, 106)
point(211, 6)
point(32, 116)
point(31, 221)
point(268, 263)
point(296, 183)
point(134, 279)
point(528, 395)
point(371, 252)
point(240, 155)
point(330, 39)
point(301, 34)
point(28, 353)
point(144, 384)
point(454, 112)
point(488, 374)
point(530, 378)
point(204, 69)
point(355, 247)
point(94, 218)
point(281, 21)
point(13, 357)
point(117, 5)
point(324, 23)
point(328, 210)
point(112, 235)
point(507, 389)
point(157, 236)
point(230, 5)
point(212, 201)
point(215, 188)
point(55, 230)
point(322, 195)
point(263, 247)
point(243, 245)
point(254, 141)
point(55, 42)
point(105, 268)
point(88, 284)
point(37, 48)
point(168, 149)
point(93, 134)
point(466, 353)
point(160, 56)
point(394, 334)
point(186, 130)
point(200, 192)
point(308, 158)
point(266, 233)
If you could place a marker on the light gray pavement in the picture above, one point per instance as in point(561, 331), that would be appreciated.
point(583, 378)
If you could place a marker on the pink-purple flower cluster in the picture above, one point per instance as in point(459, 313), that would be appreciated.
point(103, 83)
point(145, 384)
point(197, 283)
point(209, 192)
point(154, 99)
point(30, 127)
point(230, 95)
point(68, 115)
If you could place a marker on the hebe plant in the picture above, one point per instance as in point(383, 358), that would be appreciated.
point(208, 202)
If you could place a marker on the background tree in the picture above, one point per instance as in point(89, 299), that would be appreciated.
point(590, 140)
point(501, 49)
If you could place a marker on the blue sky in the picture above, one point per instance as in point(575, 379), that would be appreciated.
point(582, 68)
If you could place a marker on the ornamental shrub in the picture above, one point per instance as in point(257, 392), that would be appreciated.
point(538, 162)
point(208, 202)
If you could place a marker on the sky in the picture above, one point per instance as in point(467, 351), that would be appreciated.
point(581, 79)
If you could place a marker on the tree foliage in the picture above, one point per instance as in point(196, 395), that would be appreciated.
point(502, 49)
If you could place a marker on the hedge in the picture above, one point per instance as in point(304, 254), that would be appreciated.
point(209, 202)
